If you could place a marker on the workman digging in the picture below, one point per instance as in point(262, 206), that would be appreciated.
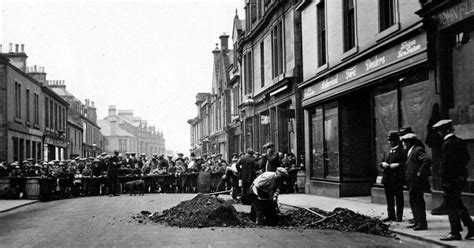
point(265, 188)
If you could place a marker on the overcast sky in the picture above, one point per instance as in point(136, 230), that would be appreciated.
point(148, 56)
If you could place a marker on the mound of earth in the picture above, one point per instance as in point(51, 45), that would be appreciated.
point(208, 211)
point(201, 211)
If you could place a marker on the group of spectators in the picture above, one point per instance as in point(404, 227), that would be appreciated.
point(112, 166)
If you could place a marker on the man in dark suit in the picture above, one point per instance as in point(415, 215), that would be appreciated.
point(393, 165)
point(113, 166)
point(454, 159)
point(246, 166)
point(417, 178)
point(272, 161)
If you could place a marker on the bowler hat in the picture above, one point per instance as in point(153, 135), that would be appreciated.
point(393, 136)
point(404, 130)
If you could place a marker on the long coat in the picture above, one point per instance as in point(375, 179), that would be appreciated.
point(453, 162)
point(418, 170)
point(246, 167)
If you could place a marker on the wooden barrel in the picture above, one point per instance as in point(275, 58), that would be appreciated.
point(300, 181)
point(32, 188)
point(4, 184)
point(204, 182)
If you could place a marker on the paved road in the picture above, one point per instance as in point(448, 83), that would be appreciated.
point(107, 222)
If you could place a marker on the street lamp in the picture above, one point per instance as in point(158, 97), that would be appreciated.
point(94, 147)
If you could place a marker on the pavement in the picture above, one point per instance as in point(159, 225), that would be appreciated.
point(438, 226)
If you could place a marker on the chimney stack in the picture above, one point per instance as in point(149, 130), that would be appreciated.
point(112, 110)
point(224, 41)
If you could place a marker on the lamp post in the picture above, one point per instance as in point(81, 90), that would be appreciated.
point(94, 147)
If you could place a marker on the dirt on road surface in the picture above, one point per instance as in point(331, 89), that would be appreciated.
point(106, 222)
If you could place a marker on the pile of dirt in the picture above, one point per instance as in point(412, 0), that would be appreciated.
point(201, 211)
point(341, 219)
point(208, 211)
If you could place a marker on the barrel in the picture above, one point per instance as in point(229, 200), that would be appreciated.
point(300, 181)
point(204, 182)
point(4, 184)
point(32, 188)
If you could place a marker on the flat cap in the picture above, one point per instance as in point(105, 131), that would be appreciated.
point(282, 170)
point(441, 123)
point(408, 136)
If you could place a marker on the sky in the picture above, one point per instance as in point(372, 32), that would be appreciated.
point(152, 57)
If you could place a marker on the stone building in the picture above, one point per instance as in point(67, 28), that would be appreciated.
point(82, 134)
point(121, 124)
point(271, 65)
point(365, 72)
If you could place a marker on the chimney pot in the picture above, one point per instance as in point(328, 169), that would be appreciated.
point(34, 68)
point(16, 48)
point(11, 48)
point(0, 48)
point(23, 48)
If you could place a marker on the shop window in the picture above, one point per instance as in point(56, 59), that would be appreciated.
point(15, 149)
point(461, 110)
point(325, 141)
point(265, 127)
point(404, 102)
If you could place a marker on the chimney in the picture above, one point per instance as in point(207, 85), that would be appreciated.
point(224, 42)
point(39, 75)
point(112, 110)
point(17, 59)
point(0, 48)
point(23, 48)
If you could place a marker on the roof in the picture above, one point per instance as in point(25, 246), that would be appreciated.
point(107, 130)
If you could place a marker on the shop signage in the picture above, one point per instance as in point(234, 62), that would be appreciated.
point(456, 13)
point(386, 58)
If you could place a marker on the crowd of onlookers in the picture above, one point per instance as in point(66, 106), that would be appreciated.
point(70, 176)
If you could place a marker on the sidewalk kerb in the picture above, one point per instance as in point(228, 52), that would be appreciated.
point(18, 206)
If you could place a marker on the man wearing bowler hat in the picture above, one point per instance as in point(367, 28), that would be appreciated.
point(417, 178)
point(454, 159)
point(393, 165)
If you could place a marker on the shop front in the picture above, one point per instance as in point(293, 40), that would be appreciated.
point(452, 54)
point(274, 120)
point(55, 147)
point(349, 111)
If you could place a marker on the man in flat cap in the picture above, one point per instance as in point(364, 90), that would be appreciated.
point(272, 160)
point(417, 178)
point(266, 190)
point(454, 159)
point(393, 165)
